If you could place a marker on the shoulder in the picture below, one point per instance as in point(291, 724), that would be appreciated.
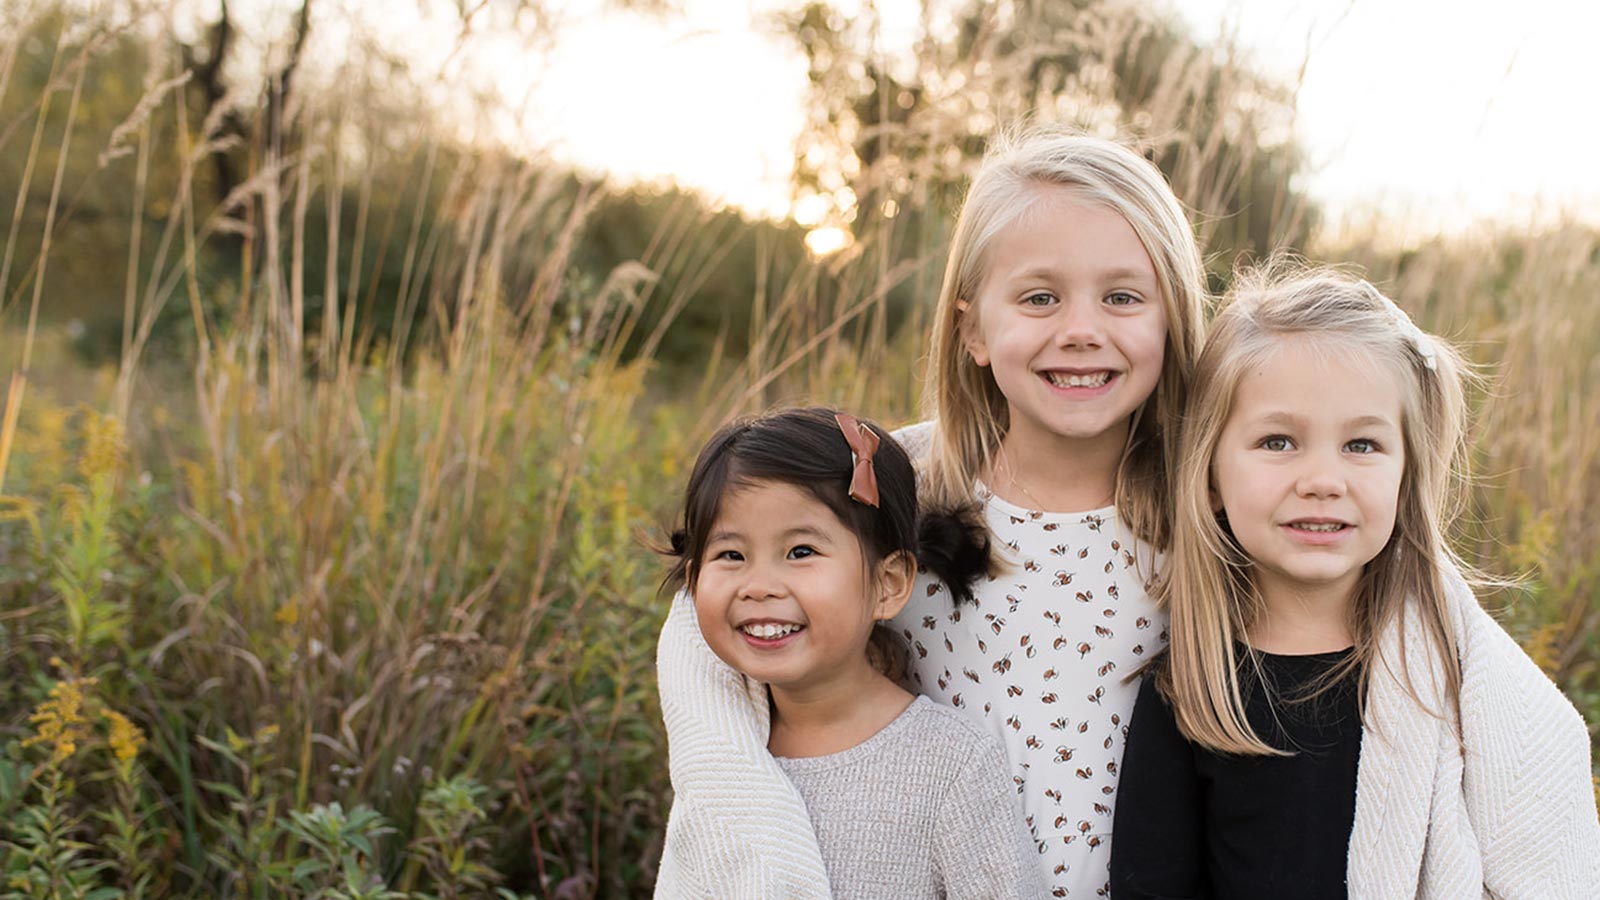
point(916, 438)
point(950, 723)
point(1152, 701)
point(955, 738)
point(1493, 661)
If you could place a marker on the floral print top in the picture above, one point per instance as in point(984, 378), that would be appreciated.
point(1041, 658)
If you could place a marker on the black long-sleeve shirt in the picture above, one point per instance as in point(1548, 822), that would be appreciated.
point(1194, 824)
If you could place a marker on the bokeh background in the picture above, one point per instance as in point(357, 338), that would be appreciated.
point(354, 351)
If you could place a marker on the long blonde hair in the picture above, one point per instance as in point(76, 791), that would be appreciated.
point(1208, 591)
point(963, 397)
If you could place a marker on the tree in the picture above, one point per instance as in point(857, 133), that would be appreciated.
point(898, 127)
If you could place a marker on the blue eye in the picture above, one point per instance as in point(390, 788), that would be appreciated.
point(1362, 445)
point(1123, 298)
point(1039, 299)
point(1277, 443)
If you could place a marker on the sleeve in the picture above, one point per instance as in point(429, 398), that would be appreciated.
point(981, 847)
point(1528, 775)
point(916, 438)
point(737, 827)
point(1157, 852)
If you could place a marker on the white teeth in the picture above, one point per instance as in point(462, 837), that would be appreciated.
point(768, 630)
point(1061, 379)
point(1319, 526)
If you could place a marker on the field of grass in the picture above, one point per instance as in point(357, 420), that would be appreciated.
point(297, 605)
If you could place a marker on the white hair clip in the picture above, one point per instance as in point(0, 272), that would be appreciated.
point(1418, 338)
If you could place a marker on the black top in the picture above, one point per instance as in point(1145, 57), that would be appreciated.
point(1194, 824)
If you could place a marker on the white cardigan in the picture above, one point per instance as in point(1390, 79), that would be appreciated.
point(738, 828)
point(1510, 816)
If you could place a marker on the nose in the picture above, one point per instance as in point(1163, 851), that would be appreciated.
point(761, 582)
point(1321, 477)
point(1078, 324)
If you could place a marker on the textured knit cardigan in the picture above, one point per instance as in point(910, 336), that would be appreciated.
point(738, 827)
point(1506, 812)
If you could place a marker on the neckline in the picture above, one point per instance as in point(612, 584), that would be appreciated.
point(865, 748)
point(1320, 655)
point(986, 495)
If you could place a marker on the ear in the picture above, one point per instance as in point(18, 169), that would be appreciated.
point(897, 575)
point(1213, 496)
point(971, 334)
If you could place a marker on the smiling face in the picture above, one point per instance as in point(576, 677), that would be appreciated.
point(1070, 321)
point(784, 593)
point(1308, 469)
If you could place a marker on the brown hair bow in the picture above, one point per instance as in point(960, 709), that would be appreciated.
point(863, 443)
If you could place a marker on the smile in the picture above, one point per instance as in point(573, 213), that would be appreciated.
point(770, 630)
point(1318, 533)
point(1077, 379)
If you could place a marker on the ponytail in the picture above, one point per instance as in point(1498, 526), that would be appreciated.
point(953, 546)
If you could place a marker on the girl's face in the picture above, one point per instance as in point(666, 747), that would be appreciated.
point(1308, 469)
point(1069, 320)
point(784, 593)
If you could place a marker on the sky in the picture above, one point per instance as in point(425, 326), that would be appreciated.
point(1436, 115)
point(1443, 114)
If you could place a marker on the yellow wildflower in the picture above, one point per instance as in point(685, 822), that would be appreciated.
point(288, 614)
point(60, 720)
point(126, 739)
point(102, 446)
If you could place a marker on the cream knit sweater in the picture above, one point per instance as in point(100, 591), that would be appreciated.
point(738, 828)
point(1511, 816)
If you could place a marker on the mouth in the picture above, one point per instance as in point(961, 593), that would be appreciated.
point(1318, 529)
point(1091, 379)
point(769, 632)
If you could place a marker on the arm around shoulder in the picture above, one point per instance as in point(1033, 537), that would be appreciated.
point(738, 827)
point(1528, 774)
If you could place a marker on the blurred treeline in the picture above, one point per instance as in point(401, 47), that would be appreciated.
point(336, 430)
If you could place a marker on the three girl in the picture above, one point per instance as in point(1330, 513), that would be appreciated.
point(1336, 715)
point(1319, 626)
point(800, 533)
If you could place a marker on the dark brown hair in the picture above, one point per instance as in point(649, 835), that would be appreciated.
point(805, 447)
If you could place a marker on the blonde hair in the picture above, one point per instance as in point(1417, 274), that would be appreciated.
point(1208, 591)
point(963, 398)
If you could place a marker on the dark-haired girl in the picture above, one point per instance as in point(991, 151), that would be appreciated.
point(801, 533)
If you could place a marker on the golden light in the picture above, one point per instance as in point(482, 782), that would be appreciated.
point(827, 241)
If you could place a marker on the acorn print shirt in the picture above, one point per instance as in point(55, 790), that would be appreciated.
point(1041, 659)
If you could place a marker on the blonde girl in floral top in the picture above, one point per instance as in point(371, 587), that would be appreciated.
point(1067, 327)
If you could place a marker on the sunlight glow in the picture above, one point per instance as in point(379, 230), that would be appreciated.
point(1433, 120)
point(827, 241)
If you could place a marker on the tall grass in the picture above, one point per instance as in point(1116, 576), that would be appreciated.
point(296, 605)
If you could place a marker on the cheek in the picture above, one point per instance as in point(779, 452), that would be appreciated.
point(1391, 497)
point(707, 605)
point(1152, 340)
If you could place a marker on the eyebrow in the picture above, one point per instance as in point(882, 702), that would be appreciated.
point(1127, 274)
point(1120, 273)
point(1287, 418)
point(798, 531)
